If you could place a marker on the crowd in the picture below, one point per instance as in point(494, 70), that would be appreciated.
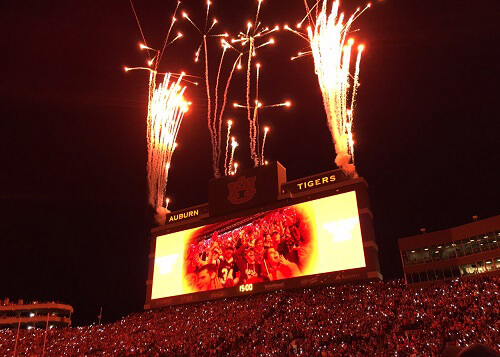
point(274, 246)
point(366, 319)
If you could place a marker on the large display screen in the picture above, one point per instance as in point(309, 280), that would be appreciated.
point(313, 237)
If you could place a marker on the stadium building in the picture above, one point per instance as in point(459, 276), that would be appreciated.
point(35, 314)
point(466, 250)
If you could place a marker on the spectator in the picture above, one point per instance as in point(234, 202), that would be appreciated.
point(366, 319)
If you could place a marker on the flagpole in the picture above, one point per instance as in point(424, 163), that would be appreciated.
point(100, 316)
point(17, 335)
point(45, 337)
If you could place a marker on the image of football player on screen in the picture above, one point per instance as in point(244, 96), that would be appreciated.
point(228, 271)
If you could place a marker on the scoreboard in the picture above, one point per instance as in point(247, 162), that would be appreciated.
point(260, 233)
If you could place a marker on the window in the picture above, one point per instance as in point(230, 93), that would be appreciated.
point(493, 240)
point(415, 278)
point(439, 274)
point(426, 254)
point(467, 246)
point(418, 256)
point(408, 278)
point(475, 245)
point(480, 267)
point(459, 248)
point(455, 272)
point(483, 242)
point(489, 265)
point(497, 262)
point(414, 256)
point(435, 252)
point(406, 260)
point(447, 273)
point(447, 251)
point(468, 269)
point(431, 275)
point(423, 276)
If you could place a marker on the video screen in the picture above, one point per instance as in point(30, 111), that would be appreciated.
point(313, 237)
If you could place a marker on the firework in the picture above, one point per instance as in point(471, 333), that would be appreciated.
point(165, 114)
point(250, 37)
point(331, 51)
point(226, 168)
point(254, 127)
point(166, 109)
point(214, 120)
point(266, 130)
point(234, 145)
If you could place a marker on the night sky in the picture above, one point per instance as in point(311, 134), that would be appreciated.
point(75, 221)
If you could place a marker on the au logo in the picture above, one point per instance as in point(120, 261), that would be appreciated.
point(242, 190)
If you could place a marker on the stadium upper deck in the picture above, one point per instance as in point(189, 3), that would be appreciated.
point(34, 314)
point(469, 249)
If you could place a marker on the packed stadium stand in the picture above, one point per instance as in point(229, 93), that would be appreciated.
point(364, 319)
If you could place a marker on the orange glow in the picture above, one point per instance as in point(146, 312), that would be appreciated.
point(167, 271)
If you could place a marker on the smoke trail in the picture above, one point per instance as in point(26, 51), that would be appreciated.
point(249, 114)
point(356, 78)
point(226, 169)
point(256, 119)
point(138, 24)
point(209, 112)
point(168, 33)
point(223, 107)
point(217, 126)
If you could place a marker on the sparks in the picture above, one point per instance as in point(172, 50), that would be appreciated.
point(226, 167)
point(332, 57)
point(214, 116)
point(166, 110)
point(250, 37)
point(266, 130)
point(234, 145)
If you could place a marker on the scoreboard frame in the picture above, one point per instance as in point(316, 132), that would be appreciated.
point(310, 188)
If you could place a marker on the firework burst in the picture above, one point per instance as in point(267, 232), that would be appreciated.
point(251, 37)
point(214, 119)
point(166, 109)
point(331, 50)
